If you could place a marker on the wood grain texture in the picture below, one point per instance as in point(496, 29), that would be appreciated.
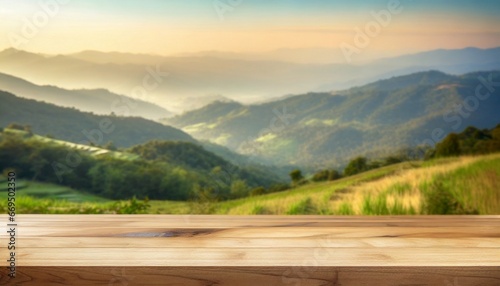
point(254, 250)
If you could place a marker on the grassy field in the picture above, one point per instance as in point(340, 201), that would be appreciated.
point(43, 198)
point(463, 185)
point(40, 190)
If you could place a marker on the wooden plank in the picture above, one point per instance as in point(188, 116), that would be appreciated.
point(251, 276)
point(253, 250)
point(270, 256)
point(339, 242)
point(260, 232)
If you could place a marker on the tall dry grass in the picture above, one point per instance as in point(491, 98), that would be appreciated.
point(472, 184)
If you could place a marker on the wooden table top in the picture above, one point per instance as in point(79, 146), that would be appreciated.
point(256, 247)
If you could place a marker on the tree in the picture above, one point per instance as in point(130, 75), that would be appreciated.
point(278, 188)
point(334, 175)
point(258, 191)
point(392, 160)
point(357, 165)
point(496, 133)
point(322, 175)
point(373, 165)
point(450, 146)
point(204, 200)
point(296, 176)
point(239, 189)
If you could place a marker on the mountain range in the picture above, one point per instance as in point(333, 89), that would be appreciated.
point(188, 82)
point(329, 128)
point(72, 125)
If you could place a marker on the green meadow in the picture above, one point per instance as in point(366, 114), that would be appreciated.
point(458, 185)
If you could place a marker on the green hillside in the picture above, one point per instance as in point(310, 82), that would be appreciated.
point(465, 185)
point(328, 129)
point(71, 125)
point(195, 157)
point(460, 185)
point(90, 150)
point(158, 169)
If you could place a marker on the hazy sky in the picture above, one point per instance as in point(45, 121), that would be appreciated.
point(168, 26)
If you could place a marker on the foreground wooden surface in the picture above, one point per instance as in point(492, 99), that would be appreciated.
point(253, 250)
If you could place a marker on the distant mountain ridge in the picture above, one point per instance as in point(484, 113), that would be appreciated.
point(447, 57)
point(99, 101)
point(196, 80)
point(331, 128)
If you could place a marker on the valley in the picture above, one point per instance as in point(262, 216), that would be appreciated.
point(299, 154)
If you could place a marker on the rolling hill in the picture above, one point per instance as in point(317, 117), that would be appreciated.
point(325, 129)
point(157, 169)
point(69, 124)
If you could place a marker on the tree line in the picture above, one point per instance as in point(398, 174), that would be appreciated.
point(471, 141)
point(164, 170)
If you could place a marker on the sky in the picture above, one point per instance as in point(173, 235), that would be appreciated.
point(168, 27)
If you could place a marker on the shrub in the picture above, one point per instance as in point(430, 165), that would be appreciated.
point(296, 176)
point(132, 206)
point(334, 175)
point(325, 175)
point(450, 146)
point(356, 166)
point(278, 188)
point(321, 176)
point(391, 160)
point(257, 191)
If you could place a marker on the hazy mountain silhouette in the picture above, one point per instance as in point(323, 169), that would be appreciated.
point(99, 101)
point(201, 77)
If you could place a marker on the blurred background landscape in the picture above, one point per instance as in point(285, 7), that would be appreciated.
point(250, 107)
